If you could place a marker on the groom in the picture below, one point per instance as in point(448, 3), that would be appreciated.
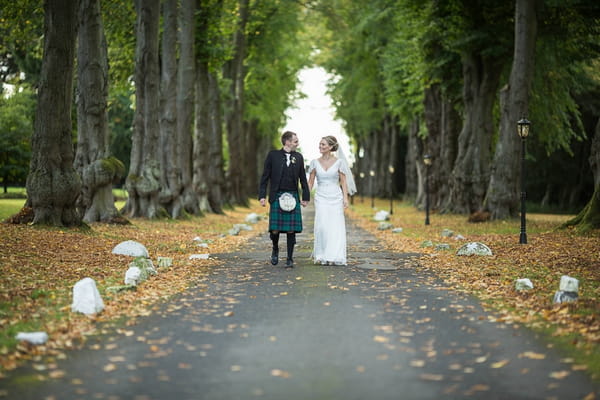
point(283, 169)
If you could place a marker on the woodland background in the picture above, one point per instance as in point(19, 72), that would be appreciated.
point(178, 101)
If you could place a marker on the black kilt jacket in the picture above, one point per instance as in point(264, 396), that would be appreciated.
point(273, 170)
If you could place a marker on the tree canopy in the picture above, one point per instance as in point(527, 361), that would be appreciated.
point(410, 78)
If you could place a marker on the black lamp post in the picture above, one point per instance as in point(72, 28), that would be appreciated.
point(372, 175)
point(391, 169)
point(427, 162)
point(523, 131)
point(362, 195)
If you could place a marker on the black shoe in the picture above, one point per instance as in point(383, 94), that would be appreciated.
point(275, 256)
point(289, 263)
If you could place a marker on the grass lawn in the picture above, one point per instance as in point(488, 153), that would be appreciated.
point(9, 207)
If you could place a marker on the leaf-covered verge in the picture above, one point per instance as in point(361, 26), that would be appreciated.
point(39, 266)
point(573, 328)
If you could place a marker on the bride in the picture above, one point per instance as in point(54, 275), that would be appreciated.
point(334, 185)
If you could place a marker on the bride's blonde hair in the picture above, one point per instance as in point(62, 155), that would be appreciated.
point(332, 141)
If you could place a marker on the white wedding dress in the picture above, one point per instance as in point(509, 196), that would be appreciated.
point(330, 224)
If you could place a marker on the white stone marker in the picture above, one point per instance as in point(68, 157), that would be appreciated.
point(523, 284)
point(86, 297)
point(382, 216)
point(133, 276)
point(131, 248)
point(474, 249)
point(33, 337)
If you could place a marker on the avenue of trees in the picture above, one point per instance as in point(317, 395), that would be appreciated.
point(180, 100)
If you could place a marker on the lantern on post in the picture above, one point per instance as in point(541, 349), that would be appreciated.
point(372, 175)
point(427, 162)
point(391, 170)
point(523, 126)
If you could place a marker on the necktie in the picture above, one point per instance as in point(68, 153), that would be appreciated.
point(287, 159)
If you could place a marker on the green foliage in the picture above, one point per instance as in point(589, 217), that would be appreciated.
point(275, 55)
point(16, 125)
point(21, 45)
point(552, 108)
point(119, 27)
point(215, 25)
point(567, 46)
point(353, 56)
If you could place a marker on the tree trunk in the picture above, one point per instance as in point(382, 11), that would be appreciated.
point(97, 169)
point(170, 181)
point(143, 182)
point(216, 170)
point(393, 157)
point(589, 217)
point(251, 135)
point(443, 126)
point(361, 168)
point(53, 183)
point(235, 71)
point(471, 173)
point(411, 172)
point(202, 138)
point(185, 103)
point(502, 195)
point(432, 146)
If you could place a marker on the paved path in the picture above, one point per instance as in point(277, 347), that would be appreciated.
point(254, 331)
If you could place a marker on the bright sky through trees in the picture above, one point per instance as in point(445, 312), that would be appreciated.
point(314, 116)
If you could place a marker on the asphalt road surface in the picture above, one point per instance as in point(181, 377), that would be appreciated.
point(376, 329)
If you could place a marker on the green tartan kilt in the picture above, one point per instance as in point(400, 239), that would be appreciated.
point(285, 221)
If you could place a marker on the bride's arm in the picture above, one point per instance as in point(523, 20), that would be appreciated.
point(311, 179)
point(344, 188)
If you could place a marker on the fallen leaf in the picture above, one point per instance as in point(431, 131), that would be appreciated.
point(499, 364)
point(280, 373)
point(57, 374)
point(532, 355)
point(559, 374)
point(109, 367)
point(432, 377)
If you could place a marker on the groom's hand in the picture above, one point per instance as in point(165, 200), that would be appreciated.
point(304, 203)
point(262, 202)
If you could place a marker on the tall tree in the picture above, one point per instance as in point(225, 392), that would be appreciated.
point(476, 33)
point(143, 181)
point(276, 52)
point(171, 185)
point(502, 200)
point(93, 162)
point(235, 71)
point(186, 76)
point(53, 184)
